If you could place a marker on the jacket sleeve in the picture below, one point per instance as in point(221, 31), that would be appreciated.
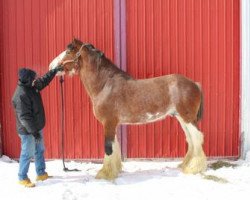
point(44, 80)
point(24, 113)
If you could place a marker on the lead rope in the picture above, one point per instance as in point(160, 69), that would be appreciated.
point(62, 127)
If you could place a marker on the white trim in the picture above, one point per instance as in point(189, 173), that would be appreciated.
point(245, 77)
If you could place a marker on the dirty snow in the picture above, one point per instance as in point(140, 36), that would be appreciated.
point(139, 180)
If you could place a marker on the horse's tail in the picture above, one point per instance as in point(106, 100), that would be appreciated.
point(200, 111)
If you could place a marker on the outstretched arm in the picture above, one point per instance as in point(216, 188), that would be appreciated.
point(44, 80)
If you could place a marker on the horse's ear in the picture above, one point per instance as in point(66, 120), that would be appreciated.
point(74, 41)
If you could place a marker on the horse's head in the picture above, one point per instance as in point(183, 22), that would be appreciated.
point(70, 58)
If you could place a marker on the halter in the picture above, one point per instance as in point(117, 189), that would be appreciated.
point(76, 59)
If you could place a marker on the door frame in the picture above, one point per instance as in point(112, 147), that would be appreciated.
point(245, 78)
point(120, 58)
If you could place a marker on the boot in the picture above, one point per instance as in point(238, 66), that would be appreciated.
point(43, 177)
point(27, 183)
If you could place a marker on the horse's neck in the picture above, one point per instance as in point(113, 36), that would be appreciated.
point(91, 81)
point(95, 77)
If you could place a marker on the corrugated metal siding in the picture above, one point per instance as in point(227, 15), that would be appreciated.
point(34, 32)
point(197, 38)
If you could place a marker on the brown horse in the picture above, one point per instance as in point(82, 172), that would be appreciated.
point(118, 98)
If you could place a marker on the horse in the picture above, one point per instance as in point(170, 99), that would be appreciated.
point(118, 98)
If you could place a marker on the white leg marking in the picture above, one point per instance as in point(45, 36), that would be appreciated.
point(198, 161)
point(189, 153)
point(111, 164)
point(185, 129)
point(195, 159)
point(196, 137)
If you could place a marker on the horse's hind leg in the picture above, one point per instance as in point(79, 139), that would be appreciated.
point(195, 159)
point(198, 162)
point(189, 153)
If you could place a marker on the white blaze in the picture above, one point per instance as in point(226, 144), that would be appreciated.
point(56, 61)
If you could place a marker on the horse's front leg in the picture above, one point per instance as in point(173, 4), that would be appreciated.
point(112, 159)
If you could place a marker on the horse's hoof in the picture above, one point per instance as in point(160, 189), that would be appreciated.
point(195, 165)
point(102, 174)
point(183, 164)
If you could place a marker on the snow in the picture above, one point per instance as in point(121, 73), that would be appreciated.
point(138, 180)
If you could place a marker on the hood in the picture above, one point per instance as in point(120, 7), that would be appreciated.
point(26, 76)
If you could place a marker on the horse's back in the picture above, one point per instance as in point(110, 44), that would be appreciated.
point(173, 92)
point(177, 82)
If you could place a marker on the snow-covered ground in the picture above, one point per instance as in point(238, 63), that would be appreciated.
point(139, 180)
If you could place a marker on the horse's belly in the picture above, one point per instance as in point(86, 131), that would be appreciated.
point(147, 117)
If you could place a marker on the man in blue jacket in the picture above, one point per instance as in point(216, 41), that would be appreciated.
point(30, 120)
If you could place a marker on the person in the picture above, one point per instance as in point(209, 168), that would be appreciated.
point(30, 120)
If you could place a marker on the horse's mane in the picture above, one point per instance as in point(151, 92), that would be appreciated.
point(104, 65)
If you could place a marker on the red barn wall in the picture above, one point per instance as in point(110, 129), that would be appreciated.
point(33, 33)
point(196, 38)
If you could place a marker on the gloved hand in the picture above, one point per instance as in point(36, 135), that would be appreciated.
point(37, 83)
point(37, 137)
